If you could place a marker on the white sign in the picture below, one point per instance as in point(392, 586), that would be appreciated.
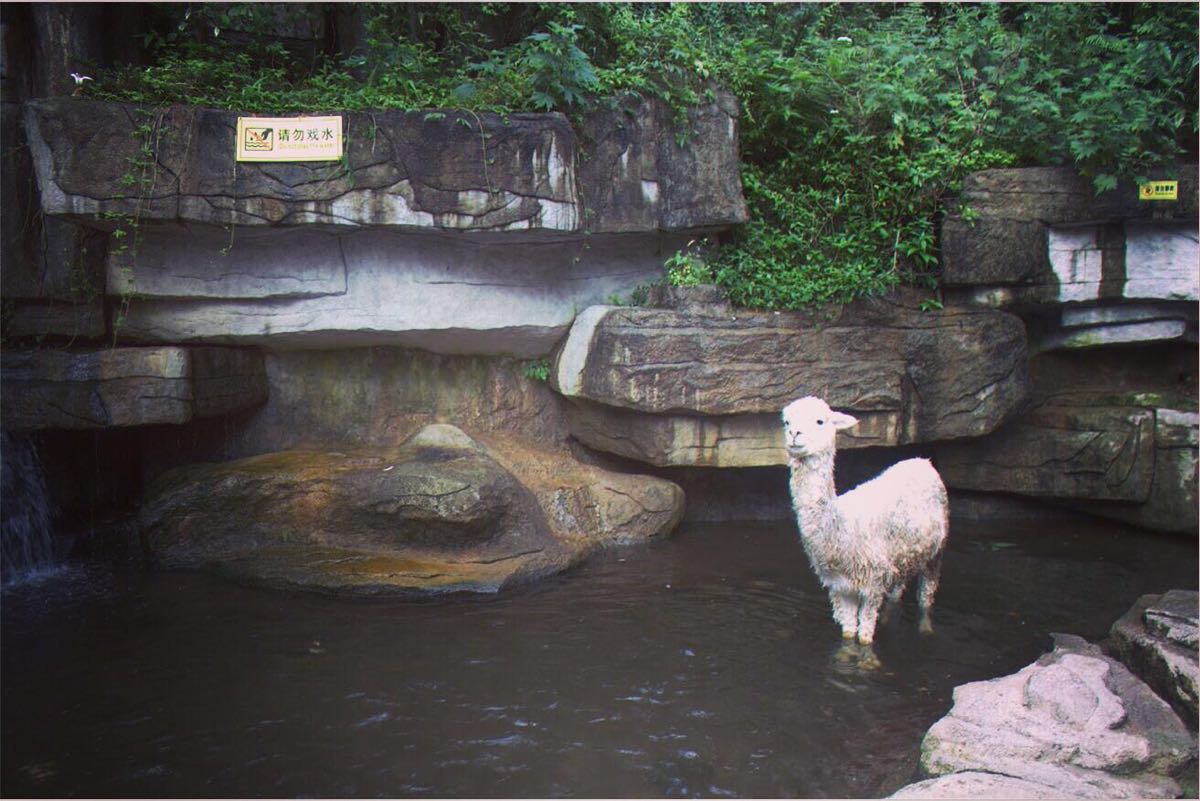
point(289, 138)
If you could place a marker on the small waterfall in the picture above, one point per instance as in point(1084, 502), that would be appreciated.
point(26, 547)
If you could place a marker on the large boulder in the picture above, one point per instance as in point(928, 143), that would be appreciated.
point(117, 387)
point(1157, 640)
point(1032, 236)
point(427, 169)
point(437, 513)
point(1074, 724)
point(704, 385)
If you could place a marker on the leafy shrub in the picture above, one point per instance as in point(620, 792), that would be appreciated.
point(561, 75)
point(856, 137)
point(687, 267)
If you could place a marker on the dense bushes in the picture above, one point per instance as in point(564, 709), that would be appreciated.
point(858, 123)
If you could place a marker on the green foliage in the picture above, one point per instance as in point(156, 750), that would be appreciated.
point(687, 267)
point(858, 132)
point(537, 370)
point(561, 75)
point(640, 296)
point(859, 121)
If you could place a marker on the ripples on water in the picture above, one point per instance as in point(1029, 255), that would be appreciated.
point(707, 665)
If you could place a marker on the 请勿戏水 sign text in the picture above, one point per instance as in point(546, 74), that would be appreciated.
point(289, 138)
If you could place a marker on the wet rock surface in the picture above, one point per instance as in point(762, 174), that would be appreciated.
point(1157, 639)
point(703, 386)
point(1074, 724)
point(437, 513)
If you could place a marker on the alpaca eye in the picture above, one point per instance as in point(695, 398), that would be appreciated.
point(820, 422)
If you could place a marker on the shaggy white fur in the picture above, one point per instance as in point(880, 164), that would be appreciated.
point(868, 543)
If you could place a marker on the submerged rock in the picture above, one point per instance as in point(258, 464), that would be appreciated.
point(1157, 639)
point(438, 513)
point(1074, 724)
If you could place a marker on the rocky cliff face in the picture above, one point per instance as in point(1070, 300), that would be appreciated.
point(277, 316)
point(1107, 285)
point(353, 302)
point(1063, 367)
point(450, 232)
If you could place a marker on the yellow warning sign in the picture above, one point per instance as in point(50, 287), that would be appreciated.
point(1159, 190)
point(289, 138)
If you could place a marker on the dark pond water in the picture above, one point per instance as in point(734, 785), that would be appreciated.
point(706, 665)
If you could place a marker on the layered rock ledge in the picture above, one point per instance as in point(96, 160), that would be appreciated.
point(118, 387)
point(1042, 235)
point(1158, 639)
point(1112, 432)
point(430, 169)
point(703, 384)
point(447, 231)
point(441, 512)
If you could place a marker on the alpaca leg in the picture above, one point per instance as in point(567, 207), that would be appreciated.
point(868, 614)
point(845, 612)
point(893, 599)
point(927, 589)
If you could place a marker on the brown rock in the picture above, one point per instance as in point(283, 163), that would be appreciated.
point(438, 513)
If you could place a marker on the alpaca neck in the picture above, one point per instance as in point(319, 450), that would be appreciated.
point(813, 493)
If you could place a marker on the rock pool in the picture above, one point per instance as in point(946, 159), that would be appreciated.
point(704, 665)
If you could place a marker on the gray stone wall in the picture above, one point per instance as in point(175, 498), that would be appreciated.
point(1061, 369)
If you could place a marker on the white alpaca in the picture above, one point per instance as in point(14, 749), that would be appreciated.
point(868, 543)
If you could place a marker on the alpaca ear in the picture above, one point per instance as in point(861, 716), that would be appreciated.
point(842, 421)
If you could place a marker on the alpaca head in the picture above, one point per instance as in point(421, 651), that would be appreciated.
point(810, 426)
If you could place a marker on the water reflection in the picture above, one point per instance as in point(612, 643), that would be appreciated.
point(707, 665)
